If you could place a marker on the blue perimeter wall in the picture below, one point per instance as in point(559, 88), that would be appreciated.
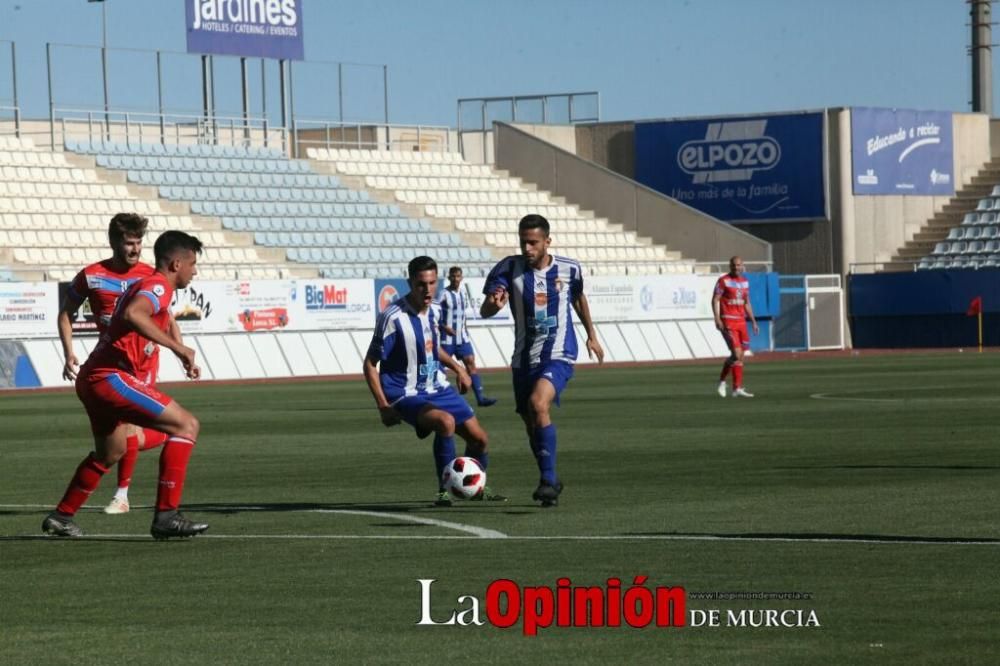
point(923, 309)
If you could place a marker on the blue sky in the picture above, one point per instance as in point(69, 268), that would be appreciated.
point(646, 58)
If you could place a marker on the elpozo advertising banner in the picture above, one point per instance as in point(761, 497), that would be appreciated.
point(902, 151)
point(252, 28)
point(28, 309)
point(273, 305)
point(737, 169)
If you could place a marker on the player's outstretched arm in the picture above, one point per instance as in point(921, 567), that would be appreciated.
point(582, 307)
point(389, 416)
point(494, 303)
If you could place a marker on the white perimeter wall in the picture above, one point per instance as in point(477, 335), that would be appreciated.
point(236, 356)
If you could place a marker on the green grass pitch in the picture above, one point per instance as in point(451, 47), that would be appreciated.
point(872, 483)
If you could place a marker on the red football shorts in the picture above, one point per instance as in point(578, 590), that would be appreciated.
point(117, 398)
point(736, 335)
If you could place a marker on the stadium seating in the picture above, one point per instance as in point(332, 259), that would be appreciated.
point(262, 215)
point(480, 202)
point(54, 215)
point(973, 244)
point(310, 218)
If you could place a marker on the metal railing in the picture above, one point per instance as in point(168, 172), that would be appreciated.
point(516, 108)
point(311, 133)
point(15, 113)
point(140, 128)
point(722, 266)
point(878, 266)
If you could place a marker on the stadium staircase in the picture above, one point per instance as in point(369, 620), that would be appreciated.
point(965, 233)
point(483, 205)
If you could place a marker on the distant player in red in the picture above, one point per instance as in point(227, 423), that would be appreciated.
point(111, 389)
point(102, 284)
point(731, 306)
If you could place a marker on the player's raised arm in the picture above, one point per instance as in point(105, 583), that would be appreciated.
point(496, 289)
point(582, 308)
point(493, 303)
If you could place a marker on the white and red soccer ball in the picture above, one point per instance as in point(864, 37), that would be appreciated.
point(463, 478)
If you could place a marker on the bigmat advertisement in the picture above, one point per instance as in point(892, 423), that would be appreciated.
point(737, 169)
point(269, 305)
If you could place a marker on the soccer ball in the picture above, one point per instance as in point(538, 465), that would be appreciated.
point(463, 478)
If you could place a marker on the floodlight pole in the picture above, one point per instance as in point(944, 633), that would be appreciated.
point(982, 56)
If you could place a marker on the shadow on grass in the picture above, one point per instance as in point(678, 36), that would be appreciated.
point(816, 536)
point(85, 538)
point(927, 467)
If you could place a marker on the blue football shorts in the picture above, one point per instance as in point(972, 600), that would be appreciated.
point(459, 351)
point(448, 400)
point(557, 372)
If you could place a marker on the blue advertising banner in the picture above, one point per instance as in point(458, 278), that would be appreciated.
point(253, 28)
point(750, 169)
point(900, 151)
point(388, 290)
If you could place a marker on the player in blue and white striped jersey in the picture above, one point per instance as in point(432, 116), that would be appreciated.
point(403, 371)
point(541, 289)
point(455, 338)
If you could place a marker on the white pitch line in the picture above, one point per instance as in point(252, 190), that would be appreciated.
point(483, 533)
point(828, 396)
point(480, 532)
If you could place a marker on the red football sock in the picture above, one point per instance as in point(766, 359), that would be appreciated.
point(173, 468)
point(126, 464)
point(152, 439)
point(85, 481)
point(737, 376)
point(725, 371)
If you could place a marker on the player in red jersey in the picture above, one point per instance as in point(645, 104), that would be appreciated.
point(731, 306)
point(101, 284)
point(110, 387)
